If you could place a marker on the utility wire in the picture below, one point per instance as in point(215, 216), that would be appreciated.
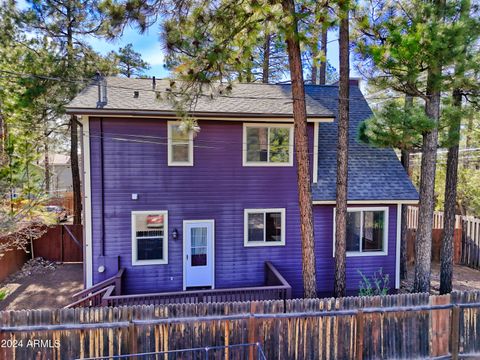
point(122, 87)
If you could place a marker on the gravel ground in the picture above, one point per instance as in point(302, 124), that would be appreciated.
point(464, 279)
point(42, 284)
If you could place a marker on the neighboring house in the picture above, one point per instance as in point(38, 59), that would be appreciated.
point(182, 211)
point(60, 173)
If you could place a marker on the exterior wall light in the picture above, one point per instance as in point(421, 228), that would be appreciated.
point(175, 234)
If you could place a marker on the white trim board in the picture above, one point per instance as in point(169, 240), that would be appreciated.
point(169, 116)
point(367, 202)
point(87, 202)
point(397, 248)
point(385, 232)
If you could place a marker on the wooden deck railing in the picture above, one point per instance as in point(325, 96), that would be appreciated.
point(106, 294)
point(115, 281)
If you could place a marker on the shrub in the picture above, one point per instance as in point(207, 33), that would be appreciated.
point(377, 284)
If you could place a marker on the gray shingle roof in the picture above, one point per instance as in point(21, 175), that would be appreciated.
point(373, 173)
point(253, 99)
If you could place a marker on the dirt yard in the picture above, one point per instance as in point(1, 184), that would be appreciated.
point(42, 285)
point(464, 279)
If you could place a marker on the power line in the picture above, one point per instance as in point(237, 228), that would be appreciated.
point(128, 138)
point(90, 82)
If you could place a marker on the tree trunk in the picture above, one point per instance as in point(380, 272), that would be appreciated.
point(76, 186)
point(47, 166)
point(77, 196)
point(3, 140)
point(404, 226)
point(266, 60)
point(423, 241)
point(301, 152)
point(446, 253)
point(314, 74)
point(323, 64)
point(405, 159)
point(342, 155)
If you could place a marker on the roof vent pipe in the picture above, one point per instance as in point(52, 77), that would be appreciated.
point(154, 83)
point(102, 89)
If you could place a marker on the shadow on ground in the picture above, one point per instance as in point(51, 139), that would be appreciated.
point(47, 290)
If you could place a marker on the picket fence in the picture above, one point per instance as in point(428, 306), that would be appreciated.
point(470, 227)
point(396, 326)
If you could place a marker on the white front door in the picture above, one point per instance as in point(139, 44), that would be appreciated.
point(198, 253)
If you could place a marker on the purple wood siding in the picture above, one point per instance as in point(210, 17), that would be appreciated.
point(217, 187)
point(323, 222)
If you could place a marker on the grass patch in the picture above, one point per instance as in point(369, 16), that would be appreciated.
point(3, 294)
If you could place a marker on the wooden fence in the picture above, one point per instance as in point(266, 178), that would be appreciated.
point(466, 239)
point(396, 326)
point(63, 199)
point(12, 261)
point(63, 243)
point(471, 242)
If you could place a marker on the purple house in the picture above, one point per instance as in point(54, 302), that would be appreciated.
point(181, 211)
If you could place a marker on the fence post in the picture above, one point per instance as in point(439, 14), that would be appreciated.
point(360, 322)
point(132, 339)
point(251, 332)
point(61, 243)
point(455, 332)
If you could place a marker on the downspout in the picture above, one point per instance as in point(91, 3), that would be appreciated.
point(102, 174)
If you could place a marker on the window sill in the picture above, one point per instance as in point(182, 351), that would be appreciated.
point(263, 244)
point(265, 164)
point(366, 254)
point(179, 164)
point(149, 262)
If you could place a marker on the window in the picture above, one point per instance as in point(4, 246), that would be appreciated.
point(267, 145)
point(264, 227)
point(180, 145)
point(149, 237)
point(367, 231)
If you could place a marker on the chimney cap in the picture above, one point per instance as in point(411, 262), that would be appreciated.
point(355, 81)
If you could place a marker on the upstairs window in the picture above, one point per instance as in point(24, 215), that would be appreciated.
point(267, 145)
point(149, 237)
point(264, 227)
point(180, 145)
point(367, 231)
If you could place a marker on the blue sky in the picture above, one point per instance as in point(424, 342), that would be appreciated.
point(149, 46)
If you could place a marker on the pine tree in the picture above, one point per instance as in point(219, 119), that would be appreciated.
point(410, 44)
point(466, 64)
point(342, 152)
point(67, 23)
point(129, 62)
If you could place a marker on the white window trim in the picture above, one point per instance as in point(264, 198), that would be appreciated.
point(385, 232)
point(247, 243)
point(170, 143)
point(163, 261)
point(267, 163)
